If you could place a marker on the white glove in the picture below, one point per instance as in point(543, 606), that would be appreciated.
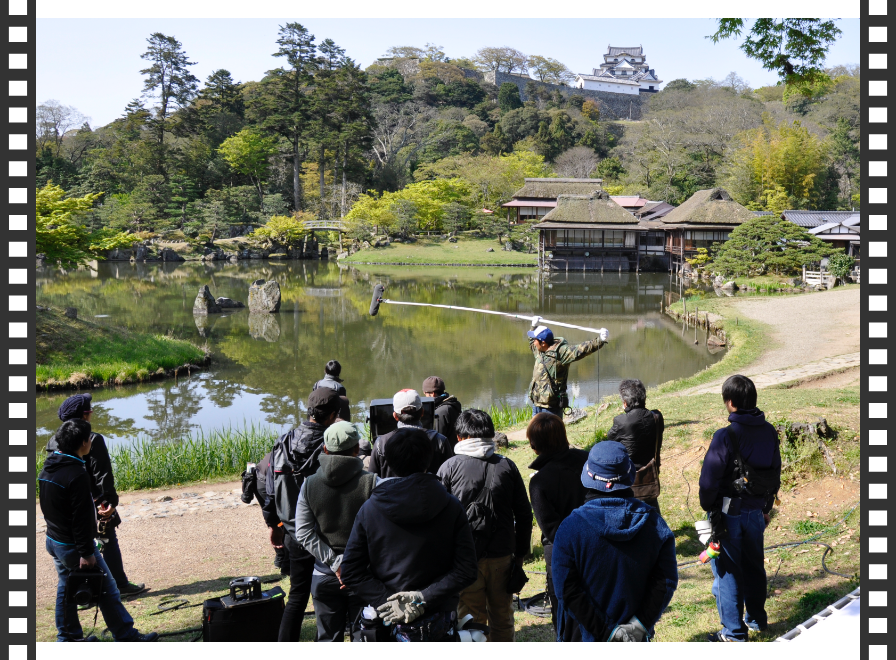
point(403, 607)
point(633, 631)
point(536, 320)
point(471, 636)
point(604, 334)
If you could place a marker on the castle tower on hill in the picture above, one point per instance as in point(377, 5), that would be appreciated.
point(623, 71)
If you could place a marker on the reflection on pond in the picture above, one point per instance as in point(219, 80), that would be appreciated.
point(263, 365)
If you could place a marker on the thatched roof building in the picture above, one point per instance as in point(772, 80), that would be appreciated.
point(553, 188)
point(709, 207)
point(595, 211)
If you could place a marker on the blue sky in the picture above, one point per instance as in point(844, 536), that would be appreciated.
point(94, 64)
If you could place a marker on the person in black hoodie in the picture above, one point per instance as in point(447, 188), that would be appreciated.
point(556, 490)
point(477, 473)
point(295, 457)
point(637, 429)
point(447, 407)
point(102, 488)
point(68, 508)
point(739, 583)
point(411, 552)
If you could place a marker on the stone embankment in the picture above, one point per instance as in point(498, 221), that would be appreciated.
point(174, 252)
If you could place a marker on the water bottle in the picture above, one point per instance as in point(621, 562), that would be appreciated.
point(713, 550)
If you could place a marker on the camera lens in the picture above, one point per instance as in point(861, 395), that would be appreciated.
point(82, 595)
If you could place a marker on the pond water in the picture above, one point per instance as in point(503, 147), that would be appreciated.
point(263, 368)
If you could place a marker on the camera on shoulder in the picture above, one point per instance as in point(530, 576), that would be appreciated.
point(85, 586)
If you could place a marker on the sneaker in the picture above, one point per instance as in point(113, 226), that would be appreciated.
point(132, 589)
point(755, 627)
point(89, 638)
point(145, 637)
point(719, 637)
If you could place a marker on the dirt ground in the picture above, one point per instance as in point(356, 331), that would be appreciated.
point(179, 550)
point(805, 328)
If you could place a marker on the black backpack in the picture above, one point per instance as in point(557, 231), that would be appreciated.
point(481, 515)
point(748, 480)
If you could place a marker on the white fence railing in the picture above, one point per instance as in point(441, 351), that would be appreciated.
point(815, 277)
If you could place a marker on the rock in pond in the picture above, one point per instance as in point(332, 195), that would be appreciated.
point(264, 297)
point(205, 302)
point(229, 303)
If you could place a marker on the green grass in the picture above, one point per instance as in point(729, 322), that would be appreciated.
point(468, 250)
point(218, 454)
point(76, 352)
point(505, 417)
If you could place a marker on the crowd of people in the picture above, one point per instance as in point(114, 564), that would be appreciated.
point(421, 532)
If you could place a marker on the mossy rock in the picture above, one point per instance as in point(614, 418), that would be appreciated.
point(278, 255)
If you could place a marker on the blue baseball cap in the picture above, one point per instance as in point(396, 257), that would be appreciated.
point(608, 468)
point(541, 333)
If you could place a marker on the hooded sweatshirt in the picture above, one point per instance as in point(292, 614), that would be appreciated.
point(327, 506)
point(447, 411)
point(464, 475)
point(66, 502)
point(613, 558)
point(99, 469)
point(411, 535)
point(759, 447)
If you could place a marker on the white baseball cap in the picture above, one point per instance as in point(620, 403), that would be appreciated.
point(406, 399)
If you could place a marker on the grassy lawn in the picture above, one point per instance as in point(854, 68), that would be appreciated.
point(468, 250)
point(79, 353)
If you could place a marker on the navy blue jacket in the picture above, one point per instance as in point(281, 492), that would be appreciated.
point(411, 535)
point(759, 448)
point(613, 558)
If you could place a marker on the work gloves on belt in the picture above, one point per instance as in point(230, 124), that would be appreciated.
point(633, 631)
point(403, 607)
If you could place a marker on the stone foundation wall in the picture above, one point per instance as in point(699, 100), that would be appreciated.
point(612, 105)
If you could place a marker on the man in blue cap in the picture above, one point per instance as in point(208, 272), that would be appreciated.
point(613, 559)
point(102, 487)
point(547, 392)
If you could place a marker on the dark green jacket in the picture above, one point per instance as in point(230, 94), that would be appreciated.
point(552, 369)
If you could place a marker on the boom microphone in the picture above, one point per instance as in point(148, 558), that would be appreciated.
point(377, 299)
point(379, 289)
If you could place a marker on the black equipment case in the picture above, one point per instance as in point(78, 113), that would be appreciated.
point(246, 615)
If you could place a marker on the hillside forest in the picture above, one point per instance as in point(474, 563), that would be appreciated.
point(418, 141)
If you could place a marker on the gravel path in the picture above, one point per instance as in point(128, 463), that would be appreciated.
point(805, 328)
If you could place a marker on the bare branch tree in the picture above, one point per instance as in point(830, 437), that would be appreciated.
point(54, 120)
point(577, 162)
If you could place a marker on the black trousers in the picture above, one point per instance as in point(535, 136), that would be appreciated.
point(301, 565)
point(573, 635)
point(112, 555)
point(333, 607)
